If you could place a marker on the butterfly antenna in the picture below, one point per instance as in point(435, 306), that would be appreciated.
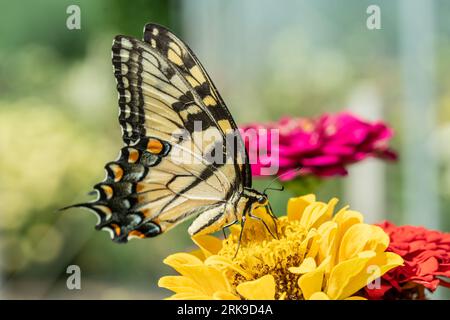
point(274, 189)
point(268, 187)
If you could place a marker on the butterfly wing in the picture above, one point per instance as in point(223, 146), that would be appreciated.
point(176, 129)
point(185, 61)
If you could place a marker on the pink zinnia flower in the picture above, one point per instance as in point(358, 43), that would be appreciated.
point(323, 147)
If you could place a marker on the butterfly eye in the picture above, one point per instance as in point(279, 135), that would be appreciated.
point(262, 200)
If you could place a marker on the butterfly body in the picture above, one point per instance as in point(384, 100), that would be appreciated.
point(183, 155)
point(228, 213)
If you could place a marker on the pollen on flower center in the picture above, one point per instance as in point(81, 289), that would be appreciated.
point(269, 256)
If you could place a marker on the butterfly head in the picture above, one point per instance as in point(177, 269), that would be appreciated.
point(255, 199)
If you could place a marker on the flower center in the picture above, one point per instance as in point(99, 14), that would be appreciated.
point(260, 255)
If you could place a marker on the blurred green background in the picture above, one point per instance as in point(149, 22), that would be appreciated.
point(58, 118)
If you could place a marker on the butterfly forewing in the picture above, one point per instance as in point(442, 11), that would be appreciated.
point(185, 61)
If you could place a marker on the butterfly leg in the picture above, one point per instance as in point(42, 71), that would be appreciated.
point(227, 226)
point(274, 218)
point(265, 224)
point(240, 235)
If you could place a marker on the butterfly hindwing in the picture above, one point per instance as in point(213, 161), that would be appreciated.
point(118, 194)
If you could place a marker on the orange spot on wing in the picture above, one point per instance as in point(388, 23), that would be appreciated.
point(140, 187)
point(137, 234)
point(133, 155)
point(154, 146)
point(117, 171)
point(141, 198)
point(108, 191)
point(146, 212)
point(116, 229)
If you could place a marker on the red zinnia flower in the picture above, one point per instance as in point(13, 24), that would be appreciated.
point(426, 255)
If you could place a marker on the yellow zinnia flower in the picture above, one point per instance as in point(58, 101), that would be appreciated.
point(317, 255)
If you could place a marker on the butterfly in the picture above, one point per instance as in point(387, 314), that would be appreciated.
point(176, 162)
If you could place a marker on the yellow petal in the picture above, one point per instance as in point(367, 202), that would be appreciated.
point(314, 244)
point(385, 261)
point(346, 218)
point(379, 241)
point(346, 214)
point(308, 265)
point(327, 215)
point(311, 283)
point(348, 277)
point(179, 260)
point(222, 262)
point(319, 296)
point(188, 296)
point(198, 254)
point(362, 237)
point(327, 232)
point(259, 289)
point(353, 241)
point(375, 266)
point(296, 206)
point(311, 213)
point(179, 284)
point(224, 295)
point(210, 279)
point(317, 213)
point(355, 298)
point(208, 244)
point(393, 260)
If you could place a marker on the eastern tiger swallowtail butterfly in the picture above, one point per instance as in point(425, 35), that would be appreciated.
point(164, 90)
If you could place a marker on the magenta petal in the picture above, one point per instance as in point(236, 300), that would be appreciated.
point(286, 162)
point(382, 131)
point(352, 135)
point(323, 146)
point(389, 155)
point(321, 161)
point(338, 150)
point(331, 171)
